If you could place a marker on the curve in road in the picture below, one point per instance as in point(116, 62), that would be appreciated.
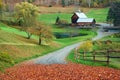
point(58, 57)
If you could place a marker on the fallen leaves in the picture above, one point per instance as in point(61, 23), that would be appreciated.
point(60, 72)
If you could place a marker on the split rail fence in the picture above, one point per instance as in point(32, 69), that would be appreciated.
point(95, 55)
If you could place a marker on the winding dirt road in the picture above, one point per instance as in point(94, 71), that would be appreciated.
point(58, 57)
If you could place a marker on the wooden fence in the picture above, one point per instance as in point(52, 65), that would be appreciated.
point(95, 55)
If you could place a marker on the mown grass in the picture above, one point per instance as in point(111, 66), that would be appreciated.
point(99, 14)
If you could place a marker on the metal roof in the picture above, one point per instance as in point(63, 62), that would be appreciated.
point(81, 15)
point(85, 20)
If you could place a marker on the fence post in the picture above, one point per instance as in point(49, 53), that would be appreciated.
point(108, 54)
point(75, 53)
point(84, 55)
point(94, 56)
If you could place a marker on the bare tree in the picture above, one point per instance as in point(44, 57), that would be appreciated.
point(89, 3)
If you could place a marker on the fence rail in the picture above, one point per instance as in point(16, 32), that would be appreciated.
point(95, 55)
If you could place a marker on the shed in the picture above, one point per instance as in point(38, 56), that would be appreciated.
point(86, 21)
point(76, 16)
point(80, 19)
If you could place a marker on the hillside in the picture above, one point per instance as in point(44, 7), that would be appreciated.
point(17, 48)
point(13, 43)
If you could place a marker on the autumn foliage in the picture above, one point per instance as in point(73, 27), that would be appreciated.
point(60, 72)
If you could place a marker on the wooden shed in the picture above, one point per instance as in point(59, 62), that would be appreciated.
point(81, 19)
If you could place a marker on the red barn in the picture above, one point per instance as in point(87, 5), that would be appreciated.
point(81, 19)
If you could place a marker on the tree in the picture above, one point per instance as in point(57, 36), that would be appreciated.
point(114, 14)
point(57, 20)
point(44, 33)
point(86, 47)
point(26, 14)
point(30, 1)
point(63, 3)
point(89, 3)
point(1, 9)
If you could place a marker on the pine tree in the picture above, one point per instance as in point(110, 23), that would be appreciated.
point(114, 13)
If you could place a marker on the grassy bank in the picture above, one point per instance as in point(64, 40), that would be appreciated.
point(13, 42)
point(100, 45)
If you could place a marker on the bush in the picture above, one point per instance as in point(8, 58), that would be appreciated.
point(63, 22)
point(5, 57)
point(86, 46)
point(103, 45)
point(116, 35)
point(50, 5)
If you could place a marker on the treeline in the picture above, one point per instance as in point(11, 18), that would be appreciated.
point(64, 3)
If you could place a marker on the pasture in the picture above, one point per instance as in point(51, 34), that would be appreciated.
point(101, 46)
point(14, 43)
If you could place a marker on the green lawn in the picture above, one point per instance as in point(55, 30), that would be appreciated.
point(51, 17)
point(99, 14)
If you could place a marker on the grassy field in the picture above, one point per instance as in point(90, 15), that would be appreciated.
point(99, 14)
point(13, 42)
point(114, 63)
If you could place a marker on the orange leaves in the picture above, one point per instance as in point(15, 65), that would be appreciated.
point(60, 72)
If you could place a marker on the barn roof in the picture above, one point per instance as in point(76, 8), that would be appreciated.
point(81, 15)
point(85, 20)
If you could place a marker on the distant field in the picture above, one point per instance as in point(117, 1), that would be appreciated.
point(49, 17)
point(99, 14)
point(69, 9)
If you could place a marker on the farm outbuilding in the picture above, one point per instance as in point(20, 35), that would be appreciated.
point(80, 19)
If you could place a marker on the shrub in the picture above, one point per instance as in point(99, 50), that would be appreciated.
point(103, 45)
point(63, 22)
point(5, 57)
point(116, 35)
point(50, 5)
point(86, 46)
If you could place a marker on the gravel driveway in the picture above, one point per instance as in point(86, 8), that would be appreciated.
point(58, 57)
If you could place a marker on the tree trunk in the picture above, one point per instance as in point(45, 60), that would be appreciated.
point(29, 35)
point(40, 41)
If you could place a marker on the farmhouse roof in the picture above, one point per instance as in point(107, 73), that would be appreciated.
point(85, 20)
point(81, 15)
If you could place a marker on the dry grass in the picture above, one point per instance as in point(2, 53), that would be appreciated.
point(69, 9)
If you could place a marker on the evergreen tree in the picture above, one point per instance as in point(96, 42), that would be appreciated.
point(114, 13)
point(63, 3)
